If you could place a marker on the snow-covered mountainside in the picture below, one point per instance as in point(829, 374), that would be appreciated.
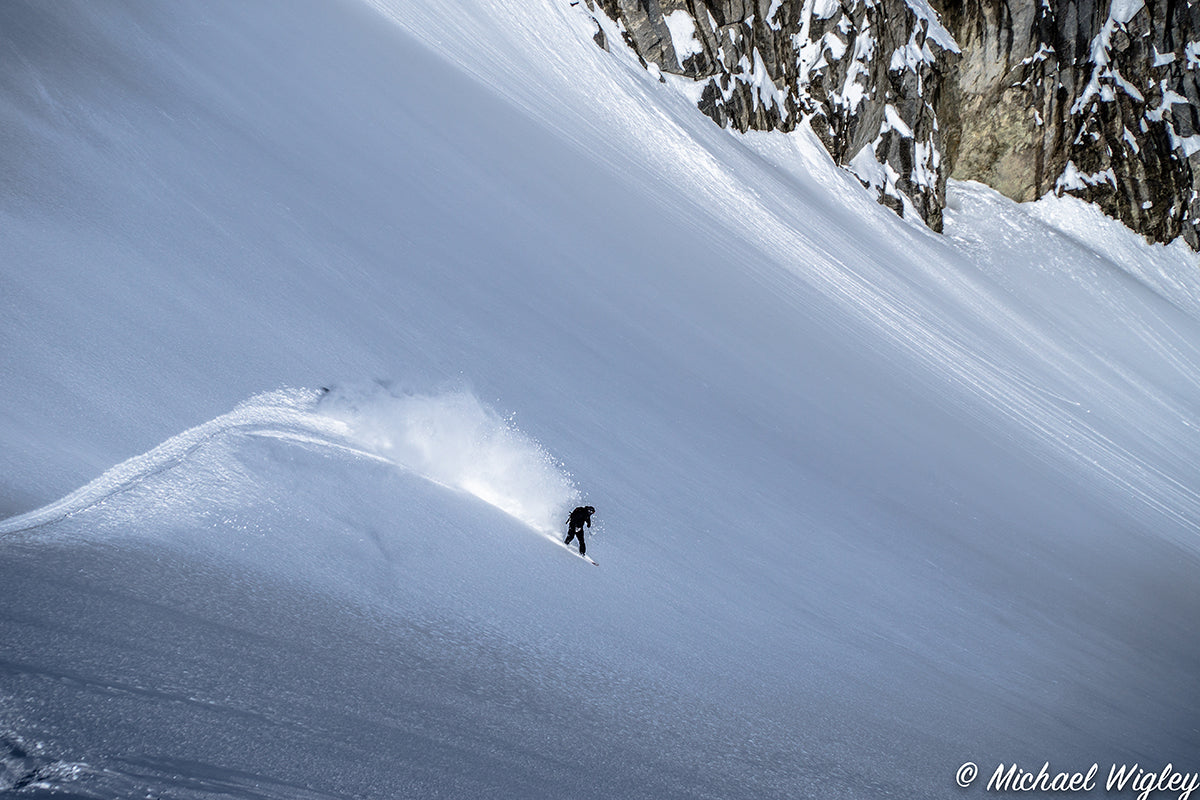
point(320, 315)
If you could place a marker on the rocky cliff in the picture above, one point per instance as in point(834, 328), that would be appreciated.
point(1095, 98)
point(867, 74)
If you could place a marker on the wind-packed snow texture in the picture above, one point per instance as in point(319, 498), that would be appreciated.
point(871, 502)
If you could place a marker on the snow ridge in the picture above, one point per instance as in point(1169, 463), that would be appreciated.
point(285, 411)
point(451, 439)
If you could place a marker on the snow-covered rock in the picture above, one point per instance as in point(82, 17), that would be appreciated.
point(867, 75)
point(1098, 101)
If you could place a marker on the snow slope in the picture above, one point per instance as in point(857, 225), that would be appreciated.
point(871, 502)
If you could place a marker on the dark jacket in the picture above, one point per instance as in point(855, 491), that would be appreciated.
point(579, 517)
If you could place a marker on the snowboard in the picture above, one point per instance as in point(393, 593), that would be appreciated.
point(576, 553)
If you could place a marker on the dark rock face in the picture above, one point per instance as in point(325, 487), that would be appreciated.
point(1094, 98)
point(867, 74)
point(1089, 97)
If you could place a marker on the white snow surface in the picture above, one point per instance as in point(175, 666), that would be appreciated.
point(872, 502)
point(934, 29)
point(682, 28)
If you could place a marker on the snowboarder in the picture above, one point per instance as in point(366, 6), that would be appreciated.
point(575, 524)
